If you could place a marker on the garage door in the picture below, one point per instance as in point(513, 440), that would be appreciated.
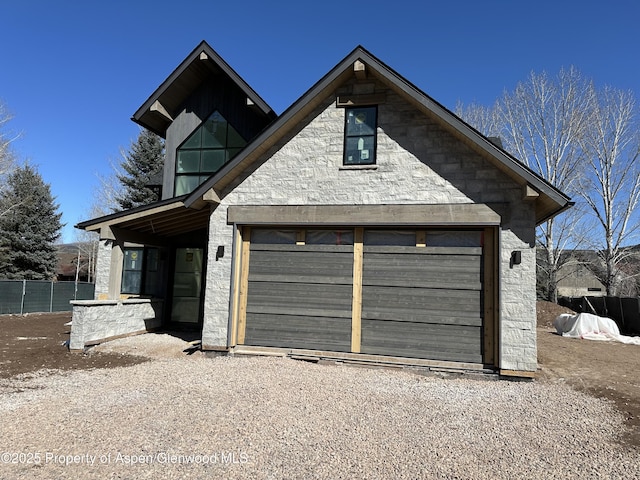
point(423, 301)
point(412, 293)
point(300, 288)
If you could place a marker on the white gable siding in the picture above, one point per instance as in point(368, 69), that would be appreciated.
point(417, 163)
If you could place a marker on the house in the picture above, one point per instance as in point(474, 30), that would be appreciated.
point(576, 277)
point(366, 222)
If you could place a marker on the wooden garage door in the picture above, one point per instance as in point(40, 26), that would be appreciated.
point(416, 293)
point(300, 289)
point(423, 301)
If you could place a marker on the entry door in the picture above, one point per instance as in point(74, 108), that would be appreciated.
point(187, 286)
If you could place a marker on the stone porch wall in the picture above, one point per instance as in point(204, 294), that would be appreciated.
point(95, 321)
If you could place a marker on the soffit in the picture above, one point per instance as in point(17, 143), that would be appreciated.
point(159, 220)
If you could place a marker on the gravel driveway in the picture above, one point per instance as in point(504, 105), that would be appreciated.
point(180, 416)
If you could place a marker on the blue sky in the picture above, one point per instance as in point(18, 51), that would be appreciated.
point(73, 72)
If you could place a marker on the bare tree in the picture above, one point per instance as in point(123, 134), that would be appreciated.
point(484, 119)
point(541, 123)
point(611, 188)
point(106, 196)
point(7, 158)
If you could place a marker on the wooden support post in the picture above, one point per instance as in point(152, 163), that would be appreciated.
point(421, 238)
point(244, 284)
point(356, 304)
point(237, 275)
point(301, 237)
point(115, 270)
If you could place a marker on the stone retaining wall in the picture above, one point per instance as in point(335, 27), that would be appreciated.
point(95, 321)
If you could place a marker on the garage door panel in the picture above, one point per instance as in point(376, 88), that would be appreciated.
point(433, 316)
point(295, 298)
point(423, 302)
point(290, 331)
point(319, 267)
point(423, 271)
point(438, 342)
point(420, 299)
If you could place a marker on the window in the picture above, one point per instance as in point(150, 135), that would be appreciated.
point(360, 136)
point(132, 270)
point(206, 151)
point(141, 271)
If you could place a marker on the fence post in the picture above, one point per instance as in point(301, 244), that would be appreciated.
point(24, 292)
point(51, 298)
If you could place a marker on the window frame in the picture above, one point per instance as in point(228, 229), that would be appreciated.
point(143, 287)
point(228, 151)
point(350, 135)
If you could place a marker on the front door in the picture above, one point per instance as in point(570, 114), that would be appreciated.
point(187, 286)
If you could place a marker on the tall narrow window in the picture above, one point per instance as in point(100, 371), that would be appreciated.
point(141, 271)
point(132, 270)
point(360, 136)
point(206, 151)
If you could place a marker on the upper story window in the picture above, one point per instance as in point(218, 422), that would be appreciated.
point(209, 147)
point(360, 135)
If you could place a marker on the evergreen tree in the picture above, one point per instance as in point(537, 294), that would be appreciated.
point(29, 227)
point(142, 164)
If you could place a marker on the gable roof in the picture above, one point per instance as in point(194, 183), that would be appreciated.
point(549, 200)
point(159, 110)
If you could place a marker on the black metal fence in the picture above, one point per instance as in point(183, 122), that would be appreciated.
point(625, 311)
point(30, 296)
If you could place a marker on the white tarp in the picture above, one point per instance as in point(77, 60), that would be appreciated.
point(591, 327)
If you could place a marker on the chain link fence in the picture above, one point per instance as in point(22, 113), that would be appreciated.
point(31, 296)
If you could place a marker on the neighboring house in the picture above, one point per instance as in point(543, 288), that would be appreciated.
point(67, 268)
point(576, 278)
point(367, 223)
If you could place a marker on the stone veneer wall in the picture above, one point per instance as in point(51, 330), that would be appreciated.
point(95, 321)
point(103, 267)
point(417, 163)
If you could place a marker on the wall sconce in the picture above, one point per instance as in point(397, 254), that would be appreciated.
point(219, 252)
point(516, 258)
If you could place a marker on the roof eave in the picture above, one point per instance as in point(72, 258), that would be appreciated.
point(146, 112)
point(501, 158)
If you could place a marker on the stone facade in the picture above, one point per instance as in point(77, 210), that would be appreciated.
point(96, 321)
point(418, 162)
point(103, 266)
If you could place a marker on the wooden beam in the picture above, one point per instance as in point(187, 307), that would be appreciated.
point(211, 196)
point(157, 107)
point(356, 302)
point(360, 70)
point(529, 193)
point(123, 235)
point(518, 373)
point(470, 214)
point(237, 278)
point(244, 284)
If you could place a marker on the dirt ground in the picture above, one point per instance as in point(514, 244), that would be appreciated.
point(36, 341)
point(603, 369)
